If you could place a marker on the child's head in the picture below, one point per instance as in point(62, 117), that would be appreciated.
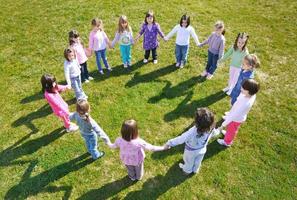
point(129, 130)
point(250, 62)
point(250, 87)
point(204, 120)
point(220, 27)
point(83, 109)
point(48, 83)
point(69, 54)
point(150, 17)
point(184, 21)
point(73, 36)
point(123, 24)
point(241, 41)
point(97, 24)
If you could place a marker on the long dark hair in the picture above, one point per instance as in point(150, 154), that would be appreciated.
point(47, 83)
point(148, 14)
point(243, 36)
point(185, 17)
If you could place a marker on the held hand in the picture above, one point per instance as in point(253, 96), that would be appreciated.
point(165, 39)
point(166, 147)
point(69, 87)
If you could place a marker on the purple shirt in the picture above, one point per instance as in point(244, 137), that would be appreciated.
point(132, 153)
point(150, 35)
point(216, 44)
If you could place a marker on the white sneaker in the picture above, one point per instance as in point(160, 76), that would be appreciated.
point(204, 73)
point(86, 81)
point(145, 60)
point(223, 132)
point(90, 78)
point(109, 69)
point(101, 72)
point(125, 65)
point(181, 165)
point(222, 142)
point(155, 61)
point(177, 64)
point(209, 76)
point(226, 113)
point(216, 132)
point(229, 92)
point(72, 128)
point(182, 64)
point(226, 89)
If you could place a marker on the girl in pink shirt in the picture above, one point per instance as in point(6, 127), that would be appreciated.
point(132, 149)
point(52, 94)
point(76, 44)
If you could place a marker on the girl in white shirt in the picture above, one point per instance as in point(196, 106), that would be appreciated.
point(239, 111)
point(183, 32)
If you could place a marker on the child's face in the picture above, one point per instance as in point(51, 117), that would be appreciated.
point(246, 65)
point(124, 24)
point(96, 27)
point(244, 92)
point(240, 43)
point(184, 23)
point(70, 56)
point(219, 30)
point(150, 19)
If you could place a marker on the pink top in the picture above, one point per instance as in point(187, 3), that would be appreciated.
point(80, 52)
point(58, 105)
point(98, 40)
point(132, 153)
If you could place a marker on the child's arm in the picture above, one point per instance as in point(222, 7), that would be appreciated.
point(172, 32)
point(180, 139)
point(115, 40)
point(67, 75)
point(99, 131)
point(194, 36)
point(160, 32)
point(55, 103)
point(205, 41)
point(91, 41)
point(150, 147)
point(237, 109)
point(221, 50)
point(226, 55)
point(113, 145)
point(107, 40)
point(62, 88)
point(140, 33)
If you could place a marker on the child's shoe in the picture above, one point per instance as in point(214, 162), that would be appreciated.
point(216, 132)
point(100, 155)
point(90, 78)
point(177, 64)
point(223, 132)
point(155, 61)
point(226, 113)
point(222, 142)
point(145, 60)
point(101, 72)
point(204, 73)
point(209, 76)
point(125, 65)
point(109, 69)
point(226, 89)
point(182, 64)
point(72, 128)
point(181, 165)
point(229, 92)
point(86, 81)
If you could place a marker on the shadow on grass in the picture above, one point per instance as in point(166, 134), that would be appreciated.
point(15, 151)
point(154, 187)
point(30, 186)
point(108, 190)
point(181, 89)
point(137, 79)
point(186, 109)
point(41, 112)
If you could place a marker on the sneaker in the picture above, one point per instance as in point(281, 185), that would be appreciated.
point(155, 61)
point(72, 128)
point(226, 113)
point(86, 81)
point(222, 142)
point(229, 92)
point(145, 60)
point(181, 165)
point(125, 65)
point(109, 69)
point(226, 89)
point(204, 73)
point(101, 72)
point(223, 132)
point(90, 78)
point(177, 64)
point(209, 76)
point(100, 155)
point(132, 179)
point(182, 64)
point(216, 132)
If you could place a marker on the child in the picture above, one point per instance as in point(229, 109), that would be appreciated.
point(237, 52)
point(132, 149)
point(216, 42)
point(183, 31)
point(72, 73)
point(75, 43)
point(89, 129)
point(51, 91)
point(150, 28)
point(239, 111)
point(125, 36)
point(196, 140)
point(250, 62)
point(98, 41)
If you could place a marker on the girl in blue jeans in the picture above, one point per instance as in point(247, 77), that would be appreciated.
point(89, 129)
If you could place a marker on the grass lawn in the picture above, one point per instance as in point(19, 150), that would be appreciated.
point(38, 160)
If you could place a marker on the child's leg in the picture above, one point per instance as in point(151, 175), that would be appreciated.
point(131, 171)
point(178, 53)
point(82, 72)
point(185, 50)
point(139, 171)
point(98, 58)
point(91, 143)
point(76, 85)
point(209, 61)
point(213, 65)
point(66, 120)
point(189, 159)
point(197, 163)
point(128, 53)
point(233, 76)
point(232, 130)
point(86, 72)
point(146, 54)
point(154, 54)
point(123, 53)
point(104, 58)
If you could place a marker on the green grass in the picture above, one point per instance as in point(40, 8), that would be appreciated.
point(40, 161)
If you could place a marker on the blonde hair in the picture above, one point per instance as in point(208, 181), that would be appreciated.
point(97, 22)
point(253, 60)
point(122, 19)
point(67, 51)
point(220, 25)
point(83, 108)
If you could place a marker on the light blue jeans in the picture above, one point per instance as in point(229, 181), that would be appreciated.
point(181, 53)
point(101, 54)
point(76, 85)
point(192, 161)
point(126, 54)
point(91, 143)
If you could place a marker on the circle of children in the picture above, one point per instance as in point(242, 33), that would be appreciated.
point(241, 88)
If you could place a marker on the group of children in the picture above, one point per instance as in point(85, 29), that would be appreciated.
point(241, 87)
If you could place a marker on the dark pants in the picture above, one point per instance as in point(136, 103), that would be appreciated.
point(84, 72)
point(212, 62)
point(154, 53)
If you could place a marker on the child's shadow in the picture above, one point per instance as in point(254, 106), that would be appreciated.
point(137, 79)
point(41, 112)
point(108, 190)
point(30, 186)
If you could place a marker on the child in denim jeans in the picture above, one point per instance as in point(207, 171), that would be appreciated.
point(89, 128)
point(72, 73)
point(196, 140)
